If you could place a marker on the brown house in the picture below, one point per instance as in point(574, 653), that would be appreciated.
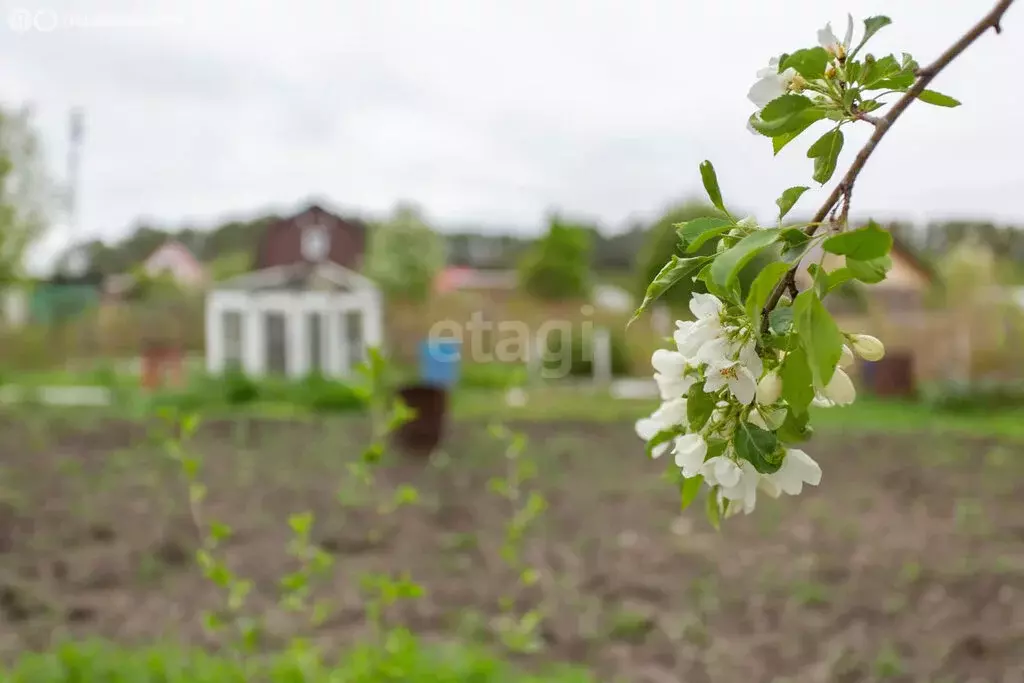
point(311, 236)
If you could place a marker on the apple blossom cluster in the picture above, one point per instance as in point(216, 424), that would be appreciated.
point(738, 387)
point(722, 413)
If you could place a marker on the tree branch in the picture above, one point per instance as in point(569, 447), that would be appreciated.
point(882, 124)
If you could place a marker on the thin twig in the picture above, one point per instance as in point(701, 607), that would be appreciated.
point(845, 187)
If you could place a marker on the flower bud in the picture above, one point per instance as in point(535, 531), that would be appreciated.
point(769, 389)
point(868, 347)
point(830, 72)
point(840, 389)
point(750, 223)
point(846, 357)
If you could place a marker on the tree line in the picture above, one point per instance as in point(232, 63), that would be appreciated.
point(404, 247)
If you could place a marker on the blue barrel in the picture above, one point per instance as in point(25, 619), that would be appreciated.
point(439, 361)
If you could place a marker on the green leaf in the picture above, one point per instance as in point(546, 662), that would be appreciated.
point(699, 407)
point(863, 244)
point(795, 429)
point(820, 279)
point(795, 244)
point(819, 335)
point(758, 447)
point(726, 266)
point(802, 121)
point(786, 114)
point(789, 198)
point(711, 508)
point(809, 63)
point(761, 288)
point(825, 153)
point(872, 25)
point(872, 271)
point(674, 271)
point(689, 490)
point(698, 231)
point(876, 71)
point(796, 381)
point(781, 320)
point(938, 99)
point(785, 106)
point(836, 278)
point(707, 174)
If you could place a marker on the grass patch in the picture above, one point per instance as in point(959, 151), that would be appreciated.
point(403, 659)
point(564, 404)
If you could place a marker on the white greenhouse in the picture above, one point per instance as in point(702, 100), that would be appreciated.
point(293, 320)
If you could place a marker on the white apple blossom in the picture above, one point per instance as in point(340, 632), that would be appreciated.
point(733, 374)
point(690, 450)
point(797, 469)
point(840, 389)
point(739, 373)
point(721, 470)
point(771, 84)
point(670, 374)
point(691, 335)
point(669, 414)
point(828, 40)
point(742, 496)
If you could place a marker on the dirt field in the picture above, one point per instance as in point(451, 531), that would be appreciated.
point(907, 564)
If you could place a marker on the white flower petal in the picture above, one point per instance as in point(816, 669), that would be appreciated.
point(722, 471)
point(673, 387)
point(742, 385)
point(769, 486)
point(646, 428)
point(690, 450)
point(748, 356)
point(848, 38)
point(715, 352)
point(840, 389)
point(705, 305)
point(797, 469)
point(826, 38)
point(668, 362)
point(670, 414)
point(765, 90)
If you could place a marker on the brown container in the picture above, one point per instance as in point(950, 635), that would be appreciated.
point(422, 434)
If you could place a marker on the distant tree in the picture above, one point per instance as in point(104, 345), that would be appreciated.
point(557, 267)
point(25, 191)
point(404, 254)
point(662, 242)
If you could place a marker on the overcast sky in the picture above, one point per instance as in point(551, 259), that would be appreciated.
point(486, 111)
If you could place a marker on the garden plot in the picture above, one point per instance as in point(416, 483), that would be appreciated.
point(907, 563)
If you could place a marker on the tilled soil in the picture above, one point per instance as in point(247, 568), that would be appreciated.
point(906, 564)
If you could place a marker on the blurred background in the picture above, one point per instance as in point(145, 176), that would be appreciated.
point(223, 206)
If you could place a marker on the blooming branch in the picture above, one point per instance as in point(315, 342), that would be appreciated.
point(925, 75)
point(737, 388)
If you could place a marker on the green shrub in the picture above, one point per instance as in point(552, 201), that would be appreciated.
point(491, 375)
point(964, 397)
point(326, 395)
point(238, 388)
point(581, 359)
